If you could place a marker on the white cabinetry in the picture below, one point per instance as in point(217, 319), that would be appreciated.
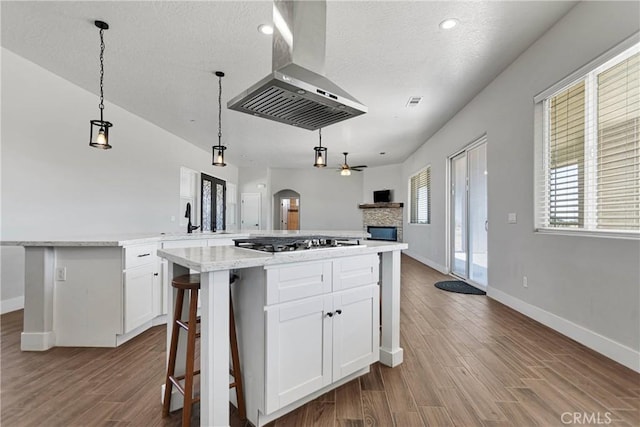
point(142, 296)
point(320, 324)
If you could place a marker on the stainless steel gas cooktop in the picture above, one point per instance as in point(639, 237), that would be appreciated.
point(295, 243)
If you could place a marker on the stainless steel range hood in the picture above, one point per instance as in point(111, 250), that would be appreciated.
point(296, 92)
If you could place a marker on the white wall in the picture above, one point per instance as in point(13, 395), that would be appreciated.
point(328, 201)
point(587, 287)
point(55, 185)
point(387, 177)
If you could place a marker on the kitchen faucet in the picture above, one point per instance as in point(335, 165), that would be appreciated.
point(187, 214)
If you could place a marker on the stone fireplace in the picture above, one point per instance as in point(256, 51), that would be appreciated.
point(384, 215)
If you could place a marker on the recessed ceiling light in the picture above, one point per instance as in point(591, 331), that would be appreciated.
point(265, 29)
point(448, 24)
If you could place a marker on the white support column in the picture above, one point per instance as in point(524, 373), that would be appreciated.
point(38, 334)
point(214, 349)
point(391, 354)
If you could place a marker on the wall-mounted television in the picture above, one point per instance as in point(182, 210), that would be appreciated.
point(382, 196)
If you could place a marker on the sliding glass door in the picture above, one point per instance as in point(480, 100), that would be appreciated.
point(469, 223)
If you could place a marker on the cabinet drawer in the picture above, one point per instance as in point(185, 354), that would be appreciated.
point(298, 281)
point(140, 255)
point(355, 271)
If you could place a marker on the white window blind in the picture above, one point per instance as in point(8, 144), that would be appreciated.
point(420, 189)
point(591, 158)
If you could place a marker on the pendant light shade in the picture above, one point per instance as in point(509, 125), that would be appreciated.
point(320, 153)
point(99, 130)
point(218, 150)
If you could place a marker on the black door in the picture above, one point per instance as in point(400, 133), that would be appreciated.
point(213, 193)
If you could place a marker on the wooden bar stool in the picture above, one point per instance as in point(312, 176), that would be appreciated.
point(191, 283)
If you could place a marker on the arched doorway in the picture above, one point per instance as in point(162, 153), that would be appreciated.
point(286, 205)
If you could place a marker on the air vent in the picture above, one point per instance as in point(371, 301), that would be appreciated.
point(414, 101)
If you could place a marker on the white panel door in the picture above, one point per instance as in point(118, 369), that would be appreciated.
point(356, 337)
point(250, 211)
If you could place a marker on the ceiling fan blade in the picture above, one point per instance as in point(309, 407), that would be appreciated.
point(359, 167)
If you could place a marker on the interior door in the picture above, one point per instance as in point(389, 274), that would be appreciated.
point(250, 211)
point(469, 220)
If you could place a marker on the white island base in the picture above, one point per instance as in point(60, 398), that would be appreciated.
point(280, 386)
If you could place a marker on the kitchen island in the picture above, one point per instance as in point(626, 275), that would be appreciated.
point(103, 291)
point(215, 264)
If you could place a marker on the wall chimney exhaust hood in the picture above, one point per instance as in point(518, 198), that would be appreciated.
point(297, 93)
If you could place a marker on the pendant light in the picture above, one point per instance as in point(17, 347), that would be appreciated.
point(320, 153)
point(218, 150)
point(99, 130)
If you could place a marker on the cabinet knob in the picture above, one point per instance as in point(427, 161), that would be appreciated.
point(338, 311)
point(155, 274)
point(329, 314)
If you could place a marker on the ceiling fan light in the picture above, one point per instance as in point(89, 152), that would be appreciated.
point(345, 172)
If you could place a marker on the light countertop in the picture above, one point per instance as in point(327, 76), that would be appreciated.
point(127, 239)
point(230, 257)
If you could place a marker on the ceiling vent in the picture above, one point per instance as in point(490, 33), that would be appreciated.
point(296, 92)
point(414, 101)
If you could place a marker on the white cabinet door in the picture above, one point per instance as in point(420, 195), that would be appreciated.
point(138, 296)
point(298, 350)
point(356, 338)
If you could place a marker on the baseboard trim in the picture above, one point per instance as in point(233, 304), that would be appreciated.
point(441, 268)
point(37, 341)
point(11, 304)
point(618, 352)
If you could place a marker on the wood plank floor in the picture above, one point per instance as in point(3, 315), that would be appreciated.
point(469, 361)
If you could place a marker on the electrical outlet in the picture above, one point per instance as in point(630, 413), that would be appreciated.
point(173, 218)
point(525, 282)
point(512, 218)
point(61, 274)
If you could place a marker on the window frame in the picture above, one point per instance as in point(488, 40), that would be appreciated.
point(541, 141)
point(426, 169)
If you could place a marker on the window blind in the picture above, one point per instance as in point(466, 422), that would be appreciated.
point(618, 172)
point(420, 188)
point(566, 157)
point(591, 165)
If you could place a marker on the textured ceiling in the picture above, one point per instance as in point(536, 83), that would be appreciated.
point(160, 57)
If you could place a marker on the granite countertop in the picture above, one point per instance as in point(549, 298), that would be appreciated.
point(127, 239)
point(229, 257)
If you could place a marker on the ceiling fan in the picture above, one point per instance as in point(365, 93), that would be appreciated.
point(345, 169)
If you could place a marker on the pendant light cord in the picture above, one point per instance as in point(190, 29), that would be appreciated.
point(101, 105)
point(320, 130)
point(219, 110)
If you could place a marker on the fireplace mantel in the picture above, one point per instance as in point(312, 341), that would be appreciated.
point(380, 205)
